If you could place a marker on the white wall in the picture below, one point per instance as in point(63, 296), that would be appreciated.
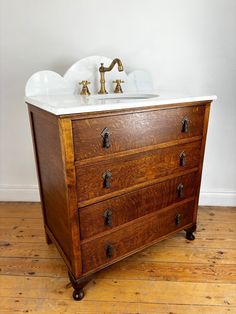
point(187, 45)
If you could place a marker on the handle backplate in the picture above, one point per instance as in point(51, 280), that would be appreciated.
point(107, 215)
point(106, 179)
point(185, 125)
point(180, 190)
point(106, 135)
point(178, 219)
point(182, 159)
point(109, 250)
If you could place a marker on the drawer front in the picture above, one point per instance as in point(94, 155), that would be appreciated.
point(103, 250)
point(107, 177)
point(118, 210)
point(107, 135)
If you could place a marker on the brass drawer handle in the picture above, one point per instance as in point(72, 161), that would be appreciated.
point(109, 250)
point(106, 138)
point(182, 159)
point(177, 219)
point(106, 179)
point(185, 125)
point(180, 190)
point(107, 217)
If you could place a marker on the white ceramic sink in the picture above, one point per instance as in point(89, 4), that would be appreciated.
point(128, 96)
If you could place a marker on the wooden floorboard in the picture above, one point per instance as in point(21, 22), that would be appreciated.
point(176, 276)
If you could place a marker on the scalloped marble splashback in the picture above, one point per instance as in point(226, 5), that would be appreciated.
point(52, 83)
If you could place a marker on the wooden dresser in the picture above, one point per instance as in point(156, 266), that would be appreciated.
point(115, 182)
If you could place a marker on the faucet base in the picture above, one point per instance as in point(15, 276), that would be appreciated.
point(102, 92)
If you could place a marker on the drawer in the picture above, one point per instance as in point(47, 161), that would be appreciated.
point(103, 136)
point(118, 210)
point(103, 250)
point(107, 177)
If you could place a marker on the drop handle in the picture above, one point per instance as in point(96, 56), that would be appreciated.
point(182, 159)
point(106, 134)
point(107, 215)
point(185, 125)
point(178, 219)
point(106, 179)
point(180, 190)
point(109, 250)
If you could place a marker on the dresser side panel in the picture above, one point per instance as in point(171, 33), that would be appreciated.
point(202, 153)
point(51, 175)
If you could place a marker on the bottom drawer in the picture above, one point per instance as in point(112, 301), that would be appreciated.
point(144, 230)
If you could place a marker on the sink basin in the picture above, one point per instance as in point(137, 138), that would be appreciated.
point(128, 96)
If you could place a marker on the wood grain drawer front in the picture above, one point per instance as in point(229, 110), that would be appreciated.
point(94, 181)
point(137, 234)
point(113, 212)
point(135, 130)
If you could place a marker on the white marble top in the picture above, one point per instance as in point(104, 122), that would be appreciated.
point(68, 104)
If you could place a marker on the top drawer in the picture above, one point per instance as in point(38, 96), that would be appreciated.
point(95, 137)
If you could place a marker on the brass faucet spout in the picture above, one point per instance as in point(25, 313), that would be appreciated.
point(102, 71)
point(111, 66)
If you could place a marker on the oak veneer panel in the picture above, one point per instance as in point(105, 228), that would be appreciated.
point(50, 167)
point(130, 206)
point(135, 235)
point(133, 171)
point(132, 131)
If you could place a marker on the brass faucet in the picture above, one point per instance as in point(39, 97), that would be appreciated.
point(102, 71)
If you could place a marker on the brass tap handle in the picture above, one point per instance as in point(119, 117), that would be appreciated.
point(118, 88)
point(85, 90)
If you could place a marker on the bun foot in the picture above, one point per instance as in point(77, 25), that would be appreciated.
point(189, 232)
point(78, 285)
point(190, 236)
point(78, 295)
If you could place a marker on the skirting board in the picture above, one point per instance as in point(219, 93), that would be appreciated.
point(19, 193)
point(30, 193)
point(219, 198)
